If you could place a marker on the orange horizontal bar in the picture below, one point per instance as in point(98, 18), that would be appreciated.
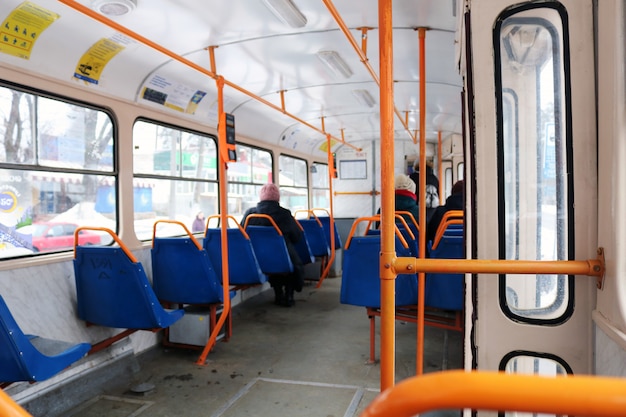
point(591, 267)
point(579, 395)
point(357, 192)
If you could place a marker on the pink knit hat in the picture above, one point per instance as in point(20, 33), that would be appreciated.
point(269, 192)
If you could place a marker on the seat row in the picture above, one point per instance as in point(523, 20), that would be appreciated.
point(113, 289)
point(444, 293)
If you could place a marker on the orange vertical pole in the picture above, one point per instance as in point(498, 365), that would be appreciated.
point(331, 176)
point(441, 184)
point(223, 187)
point(388, 252)
point(421, 276)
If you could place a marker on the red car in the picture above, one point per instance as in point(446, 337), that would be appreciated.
point(58, 236)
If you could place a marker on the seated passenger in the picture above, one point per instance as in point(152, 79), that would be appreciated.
point(454, 202)
point(284, 285)
point(432, 187)
point(405, 198)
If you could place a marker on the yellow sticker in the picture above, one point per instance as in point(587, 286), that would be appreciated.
point(92, 63)
point(23, 27)
point(324, 146)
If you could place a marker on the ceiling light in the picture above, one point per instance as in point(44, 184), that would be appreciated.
point(287, 12)
point(364, 97)
point(114, 8)
point(335, 63)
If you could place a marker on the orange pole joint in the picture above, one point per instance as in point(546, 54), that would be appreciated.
point(387, 263)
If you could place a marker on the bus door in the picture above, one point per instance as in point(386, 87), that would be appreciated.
point(532, 176)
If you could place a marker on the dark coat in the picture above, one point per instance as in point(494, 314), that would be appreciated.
point(432, 187)
point(405, 201)
point(281, 216)
point(292, 233)
point(454, 202)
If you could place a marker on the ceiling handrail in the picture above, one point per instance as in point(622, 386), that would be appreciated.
point(124, 30)
point(360, 51)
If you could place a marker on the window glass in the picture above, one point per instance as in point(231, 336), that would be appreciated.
point(56, 158)
point(320, 186)
point(175, 178)
point(534, 155)
point(447, 174)
point(293, 182)
point(529, 363)
point(252, 170)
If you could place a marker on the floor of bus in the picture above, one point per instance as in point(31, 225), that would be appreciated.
point(311, 359)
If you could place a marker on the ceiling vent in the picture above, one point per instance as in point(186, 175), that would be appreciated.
point(114, 8)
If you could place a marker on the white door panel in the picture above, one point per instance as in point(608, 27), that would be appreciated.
point(535, 195)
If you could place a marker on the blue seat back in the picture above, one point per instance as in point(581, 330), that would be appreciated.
point(316, 237)
point(413, 242)
point(446, 291)
point(21, 361)
point(304, 251)
point(270, 249)
point(360, 284)
point(182, 273)
point(114, 291)
point(243, 266)
point(326, 225)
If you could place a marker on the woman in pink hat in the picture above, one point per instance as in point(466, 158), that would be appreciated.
point(284, 285)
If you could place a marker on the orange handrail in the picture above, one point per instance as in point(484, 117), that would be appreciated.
point(399, 219)
point(219, 218)
point(191, 236)
point(374, 192)
point(113, 235)
point(137, 37)
point(229, 217)
point(264, 216)
point(408, 213)
point(363, 57)
point(449, 217)
point(578, 395)
point(370, 219)
point(310, 213)
point(9, 408)
point(590, 267)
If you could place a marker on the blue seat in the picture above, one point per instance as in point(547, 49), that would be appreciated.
point(304, 250)
point(243, 266)
point(315, 235)
point(446, 291)
point(270, 249)
point(182, 272)
point(325, 220)
point(113, 290)
point(360, 284)
point(32, 358)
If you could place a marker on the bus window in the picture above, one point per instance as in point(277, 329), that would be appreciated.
point(320, 186)
point(56, 159)
point(293, 182)
point(175, 174)
point(535, 217)
point(252, 170)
